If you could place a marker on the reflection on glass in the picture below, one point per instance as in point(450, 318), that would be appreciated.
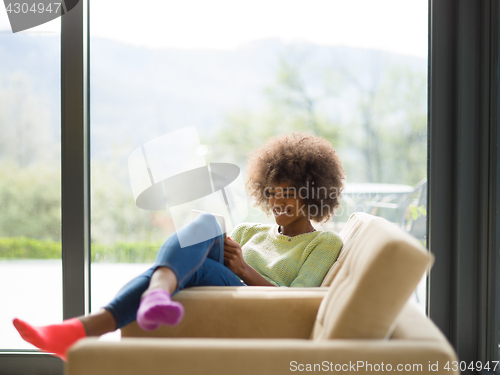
point(30, 193)
point(240, 74)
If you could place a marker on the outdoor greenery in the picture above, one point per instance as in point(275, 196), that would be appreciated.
point(30, 200)
point(119, 252)
point(29, 248)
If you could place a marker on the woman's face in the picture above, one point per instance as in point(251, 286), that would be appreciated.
point(286, 205)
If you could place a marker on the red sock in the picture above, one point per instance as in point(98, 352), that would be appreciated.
point(55, 338)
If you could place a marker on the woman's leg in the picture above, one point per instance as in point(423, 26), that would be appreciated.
point(208, 242)
point(124, 305)
point(55, 338)
point(58, 338)
point(182, 263)
point(98, 323)
point(212, 273)
point(173, 268)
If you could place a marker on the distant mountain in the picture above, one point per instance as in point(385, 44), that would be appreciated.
point(139, 93)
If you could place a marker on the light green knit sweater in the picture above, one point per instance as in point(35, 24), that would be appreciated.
point(300, 261)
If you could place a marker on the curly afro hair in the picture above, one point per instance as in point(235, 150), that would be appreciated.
point(303, 161)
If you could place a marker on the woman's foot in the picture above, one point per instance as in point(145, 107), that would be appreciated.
point(157, 308)
point(56, 338)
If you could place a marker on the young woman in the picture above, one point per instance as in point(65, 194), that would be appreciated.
point(296, 178)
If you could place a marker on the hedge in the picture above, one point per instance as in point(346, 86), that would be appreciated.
point(125, 252)
point(17, 248)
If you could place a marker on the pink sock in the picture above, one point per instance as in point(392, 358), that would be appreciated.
point(157, 308)
point(55, 338)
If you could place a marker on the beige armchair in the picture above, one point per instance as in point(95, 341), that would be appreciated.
point(359, 320)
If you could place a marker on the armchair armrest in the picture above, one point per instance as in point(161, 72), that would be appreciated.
point(204, 356)
point(242, 312)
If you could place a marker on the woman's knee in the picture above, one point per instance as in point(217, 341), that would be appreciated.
point(205, 219)
point(207, 225)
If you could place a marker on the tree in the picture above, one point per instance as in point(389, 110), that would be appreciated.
point(30, 201)
point(24, 122)
point(293, 103)
point(372, 108)
point(30, 183)
point(390, 116)
point(114, 214)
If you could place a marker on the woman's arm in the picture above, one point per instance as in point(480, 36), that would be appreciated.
point(233, 259)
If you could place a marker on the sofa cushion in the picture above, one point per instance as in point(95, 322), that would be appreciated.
point(241, 311)
point(381, 269)
point(347, 234)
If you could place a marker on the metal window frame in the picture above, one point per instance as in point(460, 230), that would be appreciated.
point(75, 158)
point(463, 173)
point(493, 304)
point(75, 188)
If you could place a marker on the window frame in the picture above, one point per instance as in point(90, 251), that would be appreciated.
point(75, 188)
point(463, 174)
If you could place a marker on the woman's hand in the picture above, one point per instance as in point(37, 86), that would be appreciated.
point(233, 257)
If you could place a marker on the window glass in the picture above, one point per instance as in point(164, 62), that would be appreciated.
point(30, 192)
point(237, 73)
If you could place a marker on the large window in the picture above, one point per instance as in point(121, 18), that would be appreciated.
point(30, 182)
point(238, 73)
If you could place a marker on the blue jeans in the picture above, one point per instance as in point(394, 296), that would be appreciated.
point(201, 264)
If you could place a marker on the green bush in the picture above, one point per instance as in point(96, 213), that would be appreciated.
point(31, 201)
point(27, 248)
point(121, 252)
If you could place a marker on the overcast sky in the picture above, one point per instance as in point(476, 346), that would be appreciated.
point(390, 25)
